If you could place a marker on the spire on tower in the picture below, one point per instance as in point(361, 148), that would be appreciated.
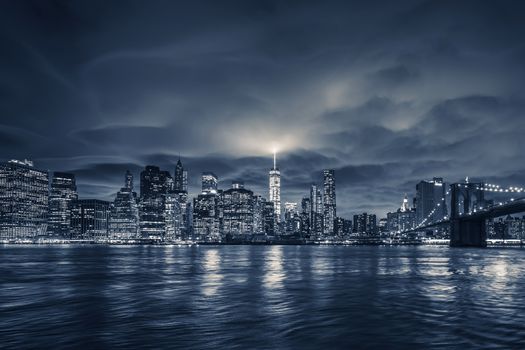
point(274, 159)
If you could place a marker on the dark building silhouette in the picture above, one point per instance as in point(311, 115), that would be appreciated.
point(24, 200)
point(365, 225)
point(181, 178)
point(61, 197)
point(269, 220)
point(90, 219)
point(329, 201)
point(180, 194)
point(154, 185)
point(292, 220)
point(206, 218)
point(305, 217)
point(124, 218)
point(428, 195)
point(342, 227)
point(316, 212)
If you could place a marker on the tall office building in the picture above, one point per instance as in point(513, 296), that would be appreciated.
point(90, 219)
point(269, 221)
point(124, 215)
point(24, 195)
point(154, 185)
point(206, 217)
point(61, 197)
point(275, 190)
point(128, 180)
point(365, 225)
point(209, 183)
point(237, 211)
point(428, 195)
point(181, 195)
point(173, 216)
point(329, 203)
point(316, 211)
point(403, 219)
point(180, 178)
point(305, 217)
point(291, 218)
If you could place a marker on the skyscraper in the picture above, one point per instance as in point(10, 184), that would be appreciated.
point(329, 206)
point(291, 218)
point(124, 216)
point(63, 194)
point(237, 206)
point(209, 183)
point(316, 211)
point(24, 202)
point(403, 219)
point(89, 218)
point(206, 220)
point(305, 217)
point(275, 190)
point(365, 225)
point(180, 194)
point(180, 178)
point(154, 185)
point(428, 195)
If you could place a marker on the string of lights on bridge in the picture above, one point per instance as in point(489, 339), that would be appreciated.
point(485, 187)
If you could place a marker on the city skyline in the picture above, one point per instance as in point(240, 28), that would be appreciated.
point(438, 96)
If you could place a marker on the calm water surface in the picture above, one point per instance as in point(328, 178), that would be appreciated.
point(267, 297)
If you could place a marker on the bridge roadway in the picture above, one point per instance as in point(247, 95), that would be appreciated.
point(469, 230)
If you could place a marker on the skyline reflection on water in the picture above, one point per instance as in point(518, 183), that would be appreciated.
point(261, 297)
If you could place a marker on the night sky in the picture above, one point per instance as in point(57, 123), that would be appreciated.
point(386, 93)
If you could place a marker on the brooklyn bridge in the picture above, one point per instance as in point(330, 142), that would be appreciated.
point(470, 208)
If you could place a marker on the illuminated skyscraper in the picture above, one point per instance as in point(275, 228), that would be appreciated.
point(329, 208)
point(180, 193)
point(209, 183)
point(154, 185)
point(206, 218)
point(237, 204)
point(428, 195)
point(316, 211)
point(275, 190)
point(291, 218)
point(124, 215)
point(24, 203)
point(63, 194)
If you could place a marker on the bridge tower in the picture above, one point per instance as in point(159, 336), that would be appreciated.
point(465, 230)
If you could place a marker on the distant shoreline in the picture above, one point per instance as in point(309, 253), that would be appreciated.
point(490, 243)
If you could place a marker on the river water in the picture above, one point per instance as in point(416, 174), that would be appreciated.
point(261, 297)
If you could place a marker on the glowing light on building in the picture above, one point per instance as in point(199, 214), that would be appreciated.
point(275, 188)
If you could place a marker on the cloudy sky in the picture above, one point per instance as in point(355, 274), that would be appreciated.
point(386, 93)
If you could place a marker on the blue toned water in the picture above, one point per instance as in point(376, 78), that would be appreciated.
point(267, 297)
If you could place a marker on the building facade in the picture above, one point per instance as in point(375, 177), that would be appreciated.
point(24, 200)
point(275, 190)
point(206, 218)
point(61, 197)
point(154, 185)
point(90, 219)
point(428, 195)
point(329, 201)
point(237, 211)
point(365, 225)
point(403, 219)
point(124, 216)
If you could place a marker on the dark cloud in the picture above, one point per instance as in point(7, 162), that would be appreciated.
point(387, 93)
